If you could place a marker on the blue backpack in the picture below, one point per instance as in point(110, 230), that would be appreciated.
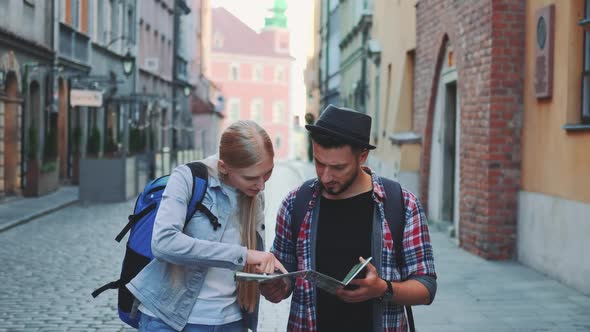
point(141, 223)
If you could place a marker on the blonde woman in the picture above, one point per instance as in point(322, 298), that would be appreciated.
point(189, 286)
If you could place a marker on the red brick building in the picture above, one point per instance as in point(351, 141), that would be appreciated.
point(468, 108)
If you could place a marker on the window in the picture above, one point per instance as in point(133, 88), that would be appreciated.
point(96, 13)
point(113, 28)
point(256, 108)
point(258, 73)
point(218, 40)
point(278, 112)
point(586, 72)
point(279, 74)
point(234, 72)
point(106, 21)
point(234, 110)
point(120, 28)
point(62, 10)
point(75, 13)
point(130, 27)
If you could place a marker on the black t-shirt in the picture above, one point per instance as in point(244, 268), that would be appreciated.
point(344, 234)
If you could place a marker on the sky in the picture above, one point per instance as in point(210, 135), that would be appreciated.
point(299, 23)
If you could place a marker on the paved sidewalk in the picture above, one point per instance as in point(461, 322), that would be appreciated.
point(16, 211)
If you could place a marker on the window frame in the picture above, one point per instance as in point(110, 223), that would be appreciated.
point(278, 112)
point(257, 110)
point(233, 114)
point(237, 72)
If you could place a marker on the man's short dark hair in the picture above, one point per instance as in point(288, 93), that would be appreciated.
point(330, 142)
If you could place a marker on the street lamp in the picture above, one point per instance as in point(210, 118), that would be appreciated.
point(187, 91)
point(128, 63)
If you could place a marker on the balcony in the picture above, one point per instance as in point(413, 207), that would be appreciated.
point(73, 45)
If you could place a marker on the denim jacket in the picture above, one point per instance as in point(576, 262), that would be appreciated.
point(170, 284)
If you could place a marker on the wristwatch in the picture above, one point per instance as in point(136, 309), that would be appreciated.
point(388, 295)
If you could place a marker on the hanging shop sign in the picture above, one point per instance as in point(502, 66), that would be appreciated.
point(90, 98)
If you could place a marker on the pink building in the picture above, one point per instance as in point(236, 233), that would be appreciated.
point(252, 70)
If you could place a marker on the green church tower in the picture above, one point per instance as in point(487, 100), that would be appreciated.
point(279, 19)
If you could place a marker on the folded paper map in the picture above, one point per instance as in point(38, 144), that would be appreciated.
point(322, 281)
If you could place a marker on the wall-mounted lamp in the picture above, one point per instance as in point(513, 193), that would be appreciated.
point(187, 91)
point(128, 63)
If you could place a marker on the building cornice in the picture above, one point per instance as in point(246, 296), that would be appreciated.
point(13, 41)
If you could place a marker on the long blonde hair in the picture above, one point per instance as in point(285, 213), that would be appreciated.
point(243, 144)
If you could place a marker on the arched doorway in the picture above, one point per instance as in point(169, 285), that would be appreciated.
point(62, 129)
point(444, 177)
point(11, 135)
point(32, 139)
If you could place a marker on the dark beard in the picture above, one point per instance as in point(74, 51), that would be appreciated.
point(344, 187)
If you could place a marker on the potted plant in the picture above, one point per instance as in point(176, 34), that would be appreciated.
point(107, 177)
point(93, 147)
point(110, 148)
point(76, 143)
point(49, 175)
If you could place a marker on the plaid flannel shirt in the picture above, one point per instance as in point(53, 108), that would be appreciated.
point(417, 252)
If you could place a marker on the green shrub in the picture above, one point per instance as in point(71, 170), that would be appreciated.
point(50, 147)
point(93, 146)
point(32, 142)
point(110, 146)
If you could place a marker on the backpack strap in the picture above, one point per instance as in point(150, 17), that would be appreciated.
point(395, 213)
point(200, 185)
point(302, 199)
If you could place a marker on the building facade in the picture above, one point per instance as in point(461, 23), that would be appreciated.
point(554, 194)
point(391, 51)
point(252, 70)
point(505, 131)
point(155, 64)
point(206, 100)
point(356, 20)
point(329, 56)
point(28, 117)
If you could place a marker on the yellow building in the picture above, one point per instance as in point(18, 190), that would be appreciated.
point(554, 200)
point(391, 72)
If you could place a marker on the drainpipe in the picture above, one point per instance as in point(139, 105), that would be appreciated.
point(327, 74)
point(364, 66)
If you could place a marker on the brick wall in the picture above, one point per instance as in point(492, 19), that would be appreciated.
point(487, 37)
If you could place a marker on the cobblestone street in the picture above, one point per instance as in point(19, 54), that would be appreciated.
point(52, 264)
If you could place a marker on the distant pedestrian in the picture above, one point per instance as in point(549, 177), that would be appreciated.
point(190, 285)
point(344, 217)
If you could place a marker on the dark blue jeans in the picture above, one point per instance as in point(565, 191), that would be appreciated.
point(152, 324)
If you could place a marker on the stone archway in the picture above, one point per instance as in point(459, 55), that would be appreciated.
point(11, 136)
point(444, 174)
point(10, 111)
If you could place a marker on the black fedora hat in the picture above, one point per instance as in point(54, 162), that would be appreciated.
point(345, 124)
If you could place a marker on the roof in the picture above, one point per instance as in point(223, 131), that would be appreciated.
point(238, 38)
point(200, 106)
